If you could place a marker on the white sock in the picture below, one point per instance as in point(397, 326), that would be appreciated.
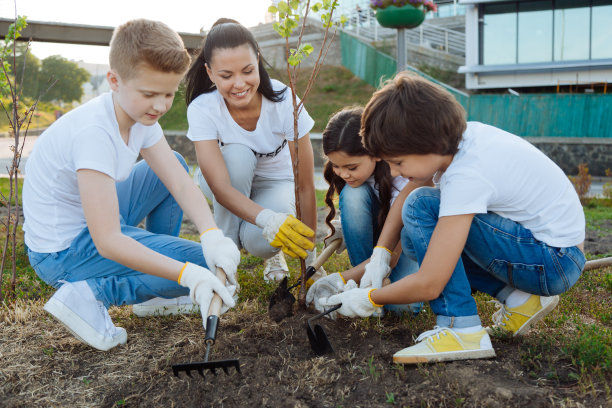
point(468, 330)
point(517, 298)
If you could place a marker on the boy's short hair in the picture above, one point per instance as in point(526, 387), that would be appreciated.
point(411, 115)
point(141, 42)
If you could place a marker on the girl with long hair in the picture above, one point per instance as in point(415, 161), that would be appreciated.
point(366, 190)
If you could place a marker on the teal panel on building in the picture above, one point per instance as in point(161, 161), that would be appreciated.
point(558, 115)
point(528, 115)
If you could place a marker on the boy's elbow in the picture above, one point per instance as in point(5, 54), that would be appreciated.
point(432, 291)
point(104, 246)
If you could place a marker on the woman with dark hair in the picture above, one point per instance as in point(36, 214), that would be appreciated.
point(366, 189)
point(241, 123)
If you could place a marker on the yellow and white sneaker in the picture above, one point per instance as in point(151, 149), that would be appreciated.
point(518, 320)
point(445, 344)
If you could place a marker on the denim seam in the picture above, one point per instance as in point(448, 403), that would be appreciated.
point(558, 268)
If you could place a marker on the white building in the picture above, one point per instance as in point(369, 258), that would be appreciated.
point(536, 43)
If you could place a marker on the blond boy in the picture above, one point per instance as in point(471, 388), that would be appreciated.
point(84, 196)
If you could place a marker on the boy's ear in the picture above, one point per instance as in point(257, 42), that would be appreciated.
point(113, 79)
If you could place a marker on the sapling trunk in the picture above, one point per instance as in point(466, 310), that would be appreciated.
point(288, 21)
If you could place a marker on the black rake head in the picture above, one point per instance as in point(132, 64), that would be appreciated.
point(202, 366)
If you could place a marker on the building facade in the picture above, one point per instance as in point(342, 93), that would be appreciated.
point(537, 43)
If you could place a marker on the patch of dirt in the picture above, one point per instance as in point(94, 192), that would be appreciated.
point(43, 365)
point(599, 242)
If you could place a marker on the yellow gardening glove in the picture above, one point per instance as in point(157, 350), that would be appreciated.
point(286, 232)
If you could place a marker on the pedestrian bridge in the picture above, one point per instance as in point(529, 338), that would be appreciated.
point(42, 31)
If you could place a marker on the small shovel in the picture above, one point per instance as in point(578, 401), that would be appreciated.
point(316, 335)
point(281, 301)
point(211, 333)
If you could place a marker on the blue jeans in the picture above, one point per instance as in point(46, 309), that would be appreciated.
point(141, 196)
point(359, 215)
point(276, 194)
point(499, 256)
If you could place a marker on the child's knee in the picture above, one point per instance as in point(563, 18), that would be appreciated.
point(355, 198)
point(421, 202)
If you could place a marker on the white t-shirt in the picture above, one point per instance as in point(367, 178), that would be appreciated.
point(209, 119)
point(85, 138)
point(499, 172)
point(398, 182)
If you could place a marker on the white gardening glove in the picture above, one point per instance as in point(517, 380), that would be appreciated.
point(202, 283)
point(220, 252)
point(323, 289)
point(377, 269)
point(310, 260)
point(336, 235)
point(355, 303)
point(286, 232)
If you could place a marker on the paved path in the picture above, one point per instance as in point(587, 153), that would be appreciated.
point(6, 157)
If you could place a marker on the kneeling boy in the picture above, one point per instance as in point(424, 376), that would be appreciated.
point(505, 220)
point(83, 197)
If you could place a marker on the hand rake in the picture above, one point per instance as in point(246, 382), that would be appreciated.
point(281, 301)
point(211, 333)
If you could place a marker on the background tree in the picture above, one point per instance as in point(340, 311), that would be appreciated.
point(69, 76)
point(28, 77)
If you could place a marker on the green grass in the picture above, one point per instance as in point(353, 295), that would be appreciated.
point(597, 212)
point(5, 188)
point(576, 336)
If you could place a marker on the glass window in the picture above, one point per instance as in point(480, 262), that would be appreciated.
point(572, 21)
point(499, 34)
point(535, 30)
point(601, 30)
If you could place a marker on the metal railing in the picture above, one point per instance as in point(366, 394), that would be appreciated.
point(363, 25)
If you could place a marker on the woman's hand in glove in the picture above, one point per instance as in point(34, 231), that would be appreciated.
point(286, 232)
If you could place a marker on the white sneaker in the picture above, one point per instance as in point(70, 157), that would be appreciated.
point(75, 306)
point(162, 307)
point(275, 268)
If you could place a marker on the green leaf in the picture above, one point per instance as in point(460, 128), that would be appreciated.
point(294, 4)
point(307, 49)
point(272, 10)
point(316, 7)
point(293, 60)
point(283, 7)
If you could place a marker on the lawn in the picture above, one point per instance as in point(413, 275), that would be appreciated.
point(564, 361)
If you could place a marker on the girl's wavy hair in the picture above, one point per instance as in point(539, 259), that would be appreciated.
point(342, 135)
point(226, 33)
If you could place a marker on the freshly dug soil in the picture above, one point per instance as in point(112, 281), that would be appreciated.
point(43, 365)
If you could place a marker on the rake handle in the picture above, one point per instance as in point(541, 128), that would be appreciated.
point(326, 253)
point(217, 302)
point(213, 315)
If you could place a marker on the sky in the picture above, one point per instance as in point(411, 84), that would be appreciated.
point(181, 15)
